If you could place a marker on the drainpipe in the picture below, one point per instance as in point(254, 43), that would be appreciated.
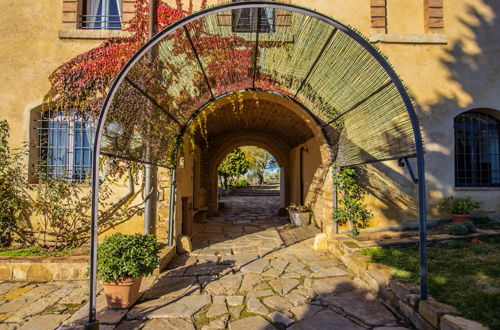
point(335, 204)
point(301, 168)
point(171, 213)
point(149, 170)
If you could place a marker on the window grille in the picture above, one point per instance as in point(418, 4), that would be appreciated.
point(477, 150)
point(65, 142)
point(102, 15)
point(246, 20)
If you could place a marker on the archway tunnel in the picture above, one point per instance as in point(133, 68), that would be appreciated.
point(267, 120)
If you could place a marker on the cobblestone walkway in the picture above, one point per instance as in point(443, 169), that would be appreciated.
point(39, 306)
point(243, 276)
point(240, 276)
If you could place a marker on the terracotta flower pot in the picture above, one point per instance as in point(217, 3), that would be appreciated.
point(122, 293)
point(459, 218)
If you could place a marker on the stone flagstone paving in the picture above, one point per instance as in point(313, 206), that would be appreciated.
point(241, 276)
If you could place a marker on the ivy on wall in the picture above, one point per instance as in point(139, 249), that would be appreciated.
point(351, 208)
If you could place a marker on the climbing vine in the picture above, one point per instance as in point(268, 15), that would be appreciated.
point(351, 208)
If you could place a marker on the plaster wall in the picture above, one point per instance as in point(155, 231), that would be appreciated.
point(445, 78)
point(460, 72)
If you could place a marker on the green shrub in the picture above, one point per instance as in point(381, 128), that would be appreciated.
point(352, 208)
point(461, 229)
point(242, 183)
point(127, 256)
point(458, 205)
point(14, 198)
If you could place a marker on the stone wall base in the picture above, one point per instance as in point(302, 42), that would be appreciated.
point(45, 269)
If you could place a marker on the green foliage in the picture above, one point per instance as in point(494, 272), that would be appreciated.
point(233, 165)
point(458, 205)
point(127, 256)
point(461, 273)
point(351, 208)
point(241, 183)
point(260, 161)
point(14, 199)
point(464, 228)
point(298, 208)
point(34, 251)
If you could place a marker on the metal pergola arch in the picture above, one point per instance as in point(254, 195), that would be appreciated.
point(206, 17)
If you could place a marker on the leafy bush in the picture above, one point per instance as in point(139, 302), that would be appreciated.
point(351, 206)
point(458, 205)
point(127, 256)
point(461, 229)
point(242, 183)
point(14, 199)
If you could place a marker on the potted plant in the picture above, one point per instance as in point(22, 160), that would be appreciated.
point(300, 215)
point(459, 207)
point(122, 262)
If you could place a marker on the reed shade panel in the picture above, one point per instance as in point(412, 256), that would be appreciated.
point(323, 68)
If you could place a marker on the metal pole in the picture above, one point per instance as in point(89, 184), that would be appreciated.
point(93, 323)
point(171, 214)
point(422, 201)
point(148, 171)
point(148, 212)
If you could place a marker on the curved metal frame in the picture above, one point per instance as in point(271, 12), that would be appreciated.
point(242, 5)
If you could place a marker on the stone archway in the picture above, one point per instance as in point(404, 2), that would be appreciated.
point(275, 123)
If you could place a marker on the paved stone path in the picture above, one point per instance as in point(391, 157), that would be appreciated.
point(241, 276)
point(39, 305)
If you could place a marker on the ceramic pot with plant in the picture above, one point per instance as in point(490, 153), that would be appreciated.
point(122, 262)
point(459, 207)
point(300, 215)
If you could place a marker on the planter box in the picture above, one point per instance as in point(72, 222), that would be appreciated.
point(300, 218)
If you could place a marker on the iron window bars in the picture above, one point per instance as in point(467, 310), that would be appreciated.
point(101, 15)
point(64, 147)
point(477, 150)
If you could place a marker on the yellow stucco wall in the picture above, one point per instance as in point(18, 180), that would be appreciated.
point(445, 79)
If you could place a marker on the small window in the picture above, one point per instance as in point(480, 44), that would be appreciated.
point(101, 14)
point(247, 20)
point(65, 146)
point(477, 150)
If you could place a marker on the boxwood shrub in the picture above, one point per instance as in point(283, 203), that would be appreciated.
point(127, 256)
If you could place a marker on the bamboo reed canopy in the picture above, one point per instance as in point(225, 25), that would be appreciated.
point(330, 69)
